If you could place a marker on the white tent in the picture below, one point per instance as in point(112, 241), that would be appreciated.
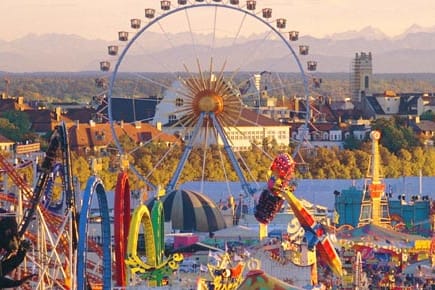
point(236, 232)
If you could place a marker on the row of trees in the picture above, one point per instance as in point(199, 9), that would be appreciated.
point(80, 87)
point(214, 165)
point(401, 152)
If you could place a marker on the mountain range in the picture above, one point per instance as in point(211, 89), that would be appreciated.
point(411, 52)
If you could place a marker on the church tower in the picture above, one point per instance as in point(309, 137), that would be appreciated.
point(361, 77)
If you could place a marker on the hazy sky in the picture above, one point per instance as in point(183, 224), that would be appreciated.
point(98, 19)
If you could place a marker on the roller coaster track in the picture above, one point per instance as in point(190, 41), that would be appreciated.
point(61, 243)
point(58, 141)
point(54, 206)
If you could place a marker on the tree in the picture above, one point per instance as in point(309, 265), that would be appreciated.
point(352, 143)
point(15, 125)
point(80, 169)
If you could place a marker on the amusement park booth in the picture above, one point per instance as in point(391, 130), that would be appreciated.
point(414, 214)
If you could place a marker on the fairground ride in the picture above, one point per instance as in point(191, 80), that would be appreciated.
point(209, 88)
point(201, 85)
point(59, 239)
point(279, 188)
point(54, 236)
point(156, 268)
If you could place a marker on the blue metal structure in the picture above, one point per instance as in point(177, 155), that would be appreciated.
point(94, 186)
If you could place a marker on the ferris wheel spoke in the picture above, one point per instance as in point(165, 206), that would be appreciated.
point(201, 75)
point(159, 163)
point(213, 33)
point(249, 57)
point(192, 37)
point(236, 36)
point(246, 167)
point(159, 84)
point(153, 59)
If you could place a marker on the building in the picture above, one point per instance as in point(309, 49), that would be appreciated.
point(94, 139)
point(361, 77)
point(389, 104)
point(250, 128)
point(413, 214)
point(6, 145)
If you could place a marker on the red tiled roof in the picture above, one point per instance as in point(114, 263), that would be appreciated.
point(12, 104)
point(249, 118)
point(3, 139)
point(98, 135)
point(45, 120)
point(82, 115)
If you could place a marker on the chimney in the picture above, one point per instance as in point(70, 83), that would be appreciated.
point(77, 123)
point(121, 124)
point(159, 126)
point(92, 123)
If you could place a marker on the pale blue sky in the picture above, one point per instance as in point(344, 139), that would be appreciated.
point(94, 19)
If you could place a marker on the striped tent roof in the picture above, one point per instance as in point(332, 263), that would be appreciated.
point(191, 211)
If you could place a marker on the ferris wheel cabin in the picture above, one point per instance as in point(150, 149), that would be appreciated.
point(112, 49)
point(281, 23)
point(123, 36)
point(267, 13)
point(135, 23)
point(150, 13)
point(293, 35)
point(165, 5)
point(303, 49)
point(104, 66)
point(250, 5)
point(311, 65)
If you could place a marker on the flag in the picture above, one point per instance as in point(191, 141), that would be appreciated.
point(215, 255)
point(237, 258)
point(203, 268)
point(336, 217)
point(237, 270)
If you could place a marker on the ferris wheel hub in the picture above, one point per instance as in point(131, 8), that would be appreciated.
point(208, 101)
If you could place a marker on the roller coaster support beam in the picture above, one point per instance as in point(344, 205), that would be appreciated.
point(69, 184)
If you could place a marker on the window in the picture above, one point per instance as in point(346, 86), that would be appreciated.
point(172, 118)
point(366, 82)
point(179, 102)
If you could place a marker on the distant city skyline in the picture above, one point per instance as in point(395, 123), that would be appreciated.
point(102, 19)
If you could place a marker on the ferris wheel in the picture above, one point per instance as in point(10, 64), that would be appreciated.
point(211, 72)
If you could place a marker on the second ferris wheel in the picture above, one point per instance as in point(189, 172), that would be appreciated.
point(213, 70)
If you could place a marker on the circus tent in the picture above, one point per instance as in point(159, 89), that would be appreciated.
point(191, 211)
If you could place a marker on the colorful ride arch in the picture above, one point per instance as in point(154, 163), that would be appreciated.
point(94, 186)
point(121, 222)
